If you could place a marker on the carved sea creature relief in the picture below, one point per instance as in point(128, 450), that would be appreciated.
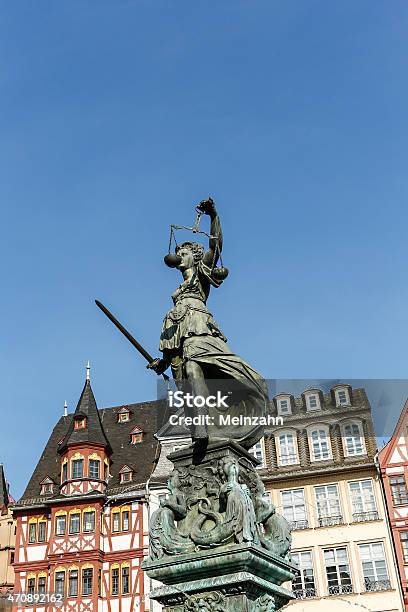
point(274, 529)
point(235, 521)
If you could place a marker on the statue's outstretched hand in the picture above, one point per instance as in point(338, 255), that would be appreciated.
point(207, 207)
point(158, 365)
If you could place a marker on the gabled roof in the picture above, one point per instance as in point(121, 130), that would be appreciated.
point(147, 415)
point(4, 496)
point(93, 432)
point(386, 453)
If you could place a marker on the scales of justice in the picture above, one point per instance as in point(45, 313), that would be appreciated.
point(216, 541)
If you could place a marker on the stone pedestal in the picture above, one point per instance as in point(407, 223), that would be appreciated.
point(218, 545)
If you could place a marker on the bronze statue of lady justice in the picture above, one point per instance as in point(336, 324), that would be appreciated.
point(196, 349)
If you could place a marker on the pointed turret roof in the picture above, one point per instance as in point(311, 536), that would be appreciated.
point(93, 433)
point(4, 496)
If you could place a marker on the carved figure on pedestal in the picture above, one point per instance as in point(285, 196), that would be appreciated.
point(274, 529)
point(165, 537)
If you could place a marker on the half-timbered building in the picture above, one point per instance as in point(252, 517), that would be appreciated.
point(7, 537)
point(393, 464)
point(82, 521)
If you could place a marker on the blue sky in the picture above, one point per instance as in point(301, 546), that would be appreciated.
point(117, 117)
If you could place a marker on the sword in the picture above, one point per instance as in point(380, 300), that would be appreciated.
point(127, 335)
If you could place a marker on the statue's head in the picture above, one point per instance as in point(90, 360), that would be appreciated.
point(191, 253)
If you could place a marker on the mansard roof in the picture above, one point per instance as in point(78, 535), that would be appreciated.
point(140, 457)
point(93, 432)
point(4, 496)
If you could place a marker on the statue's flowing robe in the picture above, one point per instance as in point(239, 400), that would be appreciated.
point(190, 332)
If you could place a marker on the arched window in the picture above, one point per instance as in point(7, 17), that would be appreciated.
point(353, 439)
point(286, 446)
point(319, 441)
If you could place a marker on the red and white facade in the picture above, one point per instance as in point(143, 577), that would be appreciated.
point(393, 464)
point(82, 537)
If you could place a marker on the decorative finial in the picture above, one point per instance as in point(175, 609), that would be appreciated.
point(65, 408)
point(88, 371)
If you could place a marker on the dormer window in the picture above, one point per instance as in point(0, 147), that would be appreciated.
point(342, 396)
point(126, 474)
point(283, 404)
point(123, 415)
point(312, 400)
point(80, 423)
point(47, 486)
point(136, 435)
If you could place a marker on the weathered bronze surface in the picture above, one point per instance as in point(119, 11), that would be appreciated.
point(195, 347)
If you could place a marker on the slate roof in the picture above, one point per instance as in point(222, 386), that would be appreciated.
point(140, 457)
point(4, 496)
point(93, 431)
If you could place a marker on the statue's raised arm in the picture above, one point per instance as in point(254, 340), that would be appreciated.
point(207, 207)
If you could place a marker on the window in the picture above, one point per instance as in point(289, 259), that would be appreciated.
point(136, 435)
point(363, 503)
point(74, 523)
point(11, 557)
point(60, 525)
point(123, 417)
point(294, 508)
point(77, 468)
point(328, 505)
point(42, 531)
point(353, 440)
point(47, 488)
point(399, 490)
point(126, 474)
point(42, 585)
point(65, 472)
point(312, 401)
point(89, 521)
point(284, 406)
point(60, 583)
point(32, 533)
point(115, 581)
point(125, 520)
point(87, 577)
point(31, 586)
point(404, 544)
point(337, 571)
point(80, 423)
point(94, 468)
point(320, 445)
point(287, 449)
point(125, 580)
point(116, 521)
point(374, 567)
point(342, 397)
point(73, 583)
point(303, 585)
point(258, 452)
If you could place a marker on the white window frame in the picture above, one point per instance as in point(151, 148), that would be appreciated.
point(363, 499)
point(338, 564)
point(352, 437)
point(307, 396)
point(319, 427)
point(259, 449)
point(294, 459)
point(328, 501)
point(372, 559)
point(279, 400)
point(302, 567)
point(344, 390)
point(295, 504)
